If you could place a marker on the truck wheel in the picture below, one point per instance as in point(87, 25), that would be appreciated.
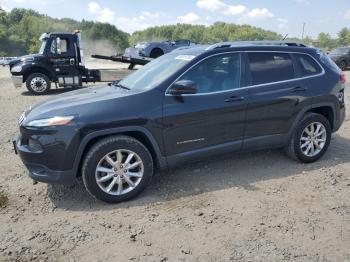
point(156, 52)
point(38, 84)
point(343, 65)
point(117, 169)
point(311, 138)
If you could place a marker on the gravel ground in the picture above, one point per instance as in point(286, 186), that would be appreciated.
point(246, 207)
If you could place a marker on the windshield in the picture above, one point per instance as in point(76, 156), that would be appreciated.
point(156, 71)
point(340, 51)
point(42, 47)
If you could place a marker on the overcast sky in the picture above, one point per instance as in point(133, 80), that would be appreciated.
point(284, 16)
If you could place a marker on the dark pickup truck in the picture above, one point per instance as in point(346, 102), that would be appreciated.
point(341, 56)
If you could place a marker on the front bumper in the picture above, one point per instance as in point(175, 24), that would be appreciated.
point(17, 81)
point(42, 173)
point(45, 158)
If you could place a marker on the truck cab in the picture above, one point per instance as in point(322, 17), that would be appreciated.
point(59, 60)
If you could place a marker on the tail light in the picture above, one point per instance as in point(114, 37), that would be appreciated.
point(342, 78)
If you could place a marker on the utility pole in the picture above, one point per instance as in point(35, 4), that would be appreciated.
point(302, 35)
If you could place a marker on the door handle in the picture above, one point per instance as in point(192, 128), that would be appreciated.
point(299, 89)
point(234, 99)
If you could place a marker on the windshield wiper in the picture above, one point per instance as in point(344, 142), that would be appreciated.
point(116, 83)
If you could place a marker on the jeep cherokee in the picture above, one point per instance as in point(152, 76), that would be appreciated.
point(184, 106)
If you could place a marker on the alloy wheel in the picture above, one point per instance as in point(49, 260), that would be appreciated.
point(119, 172)
point(313, 139)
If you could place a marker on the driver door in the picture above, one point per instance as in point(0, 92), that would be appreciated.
point(62, 56)
point(213, 119)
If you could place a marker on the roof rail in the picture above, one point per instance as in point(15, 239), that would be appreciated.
point(255, 43)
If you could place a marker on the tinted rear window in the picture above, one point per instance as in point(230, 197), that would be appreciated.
point(307, 65)
point(270, 67)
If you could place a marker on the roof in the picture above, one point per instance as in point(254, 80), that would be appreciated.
point(279, 46)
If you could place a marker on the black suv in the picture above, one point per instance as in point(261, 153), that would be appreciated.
point(341, 56)
point(189, 104)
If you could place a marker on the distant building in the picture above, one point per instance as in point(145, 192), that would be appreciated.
point(315, 43)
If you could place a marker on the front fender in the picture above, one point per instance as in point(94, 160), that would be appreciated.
point(161, 160)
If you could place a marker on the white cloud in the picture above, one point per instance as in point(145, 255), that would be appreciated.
point(211, 5)
point(148, 15)
point(282, 23)
point(131, 24)
point(7, 10)
point(223, 8)
point(347, 14)
point(260, 13)
point(235, 10)
point(105, 15)
point(94, 7)
point(142, 21)
point(190, 18)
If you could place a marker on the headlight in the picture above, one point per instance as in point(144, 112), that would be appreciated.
point(16, 69)
point(54, 121)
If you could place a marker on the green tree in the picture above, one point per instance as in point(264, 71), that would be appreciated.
point(201, 34)
point(344, 37)
point(325, 41)
point(20, 30)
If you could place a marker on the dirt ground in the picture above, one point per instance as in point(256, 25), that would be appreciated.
point(247, 207)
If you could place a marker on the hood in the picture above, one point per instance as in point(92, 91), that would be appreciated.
point(77, 102)
point(24, 59)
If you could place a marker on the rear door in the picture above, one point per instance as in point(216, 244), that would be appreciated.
point(277, 93)
point(212, 117)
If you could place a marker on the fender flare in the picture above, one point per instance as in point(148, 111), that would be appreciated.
point(305, 110)
point(161, 160)
point(32, 69)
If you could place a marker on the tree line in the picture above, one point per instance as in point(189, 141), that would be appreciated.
point(20, 30)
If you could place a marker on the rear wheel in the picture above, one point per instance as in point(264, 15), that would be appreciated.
point(311, 138)
point(117, 169)
point(38, 84)
point(343, 65)
point(157, 52)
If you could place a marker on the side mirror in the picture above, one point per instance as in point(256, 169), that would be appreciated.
point(183, 87)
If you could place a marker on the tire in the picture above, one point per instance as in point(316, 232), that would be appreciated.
point(38, 84)
point(297, 149)
point(111, 147)
point(343, 65)
point(156, 52)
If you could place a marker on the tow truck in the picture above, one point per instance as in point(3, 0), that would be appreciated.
point(60, 61)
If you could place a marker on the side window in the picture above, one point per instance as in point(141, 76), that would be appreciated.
point(217, 73)
point(307, 65)
point(270, 67)
point(182, 42)
point(59, 46)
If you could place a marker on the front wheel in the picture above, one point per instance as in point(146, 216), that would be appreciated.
point(117, 169)
point(311, 138)
point(38, 84)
